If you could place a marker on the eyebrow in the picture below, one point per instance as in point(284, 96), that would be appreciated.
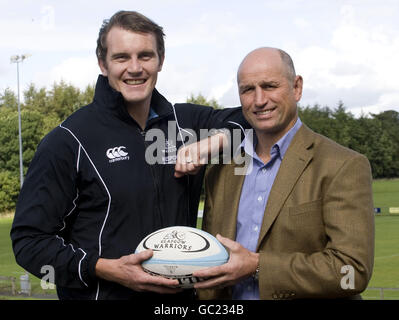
point(245, 87)
point(270, 83)
point(119, 55)
point(151, 53)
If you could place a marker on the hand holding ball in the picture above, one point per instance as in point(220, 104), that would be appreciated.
point(179, 251)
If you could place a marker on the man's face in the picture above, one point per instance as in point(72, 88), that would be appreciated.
point(132, 64)
point(267, 96)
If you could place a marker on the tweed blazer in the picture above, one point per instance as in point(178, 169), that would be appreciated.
point(317, 234)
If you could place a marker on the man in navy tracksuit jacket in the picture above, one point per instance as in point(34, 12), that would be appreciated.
point(90, 195)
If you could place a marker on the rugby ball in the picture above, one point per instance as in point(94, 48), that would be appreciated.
point(179, 251)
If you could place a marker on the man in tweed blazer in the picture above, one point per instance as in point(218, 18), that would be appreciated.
point(300, 222)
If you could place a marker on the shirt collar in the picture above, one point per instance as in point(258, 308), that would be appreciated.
point(152, 114)
point(280, 146)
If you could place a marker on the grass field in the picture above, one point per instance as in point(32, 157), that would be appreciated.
point(386, 263)
point(386, 194)
point(386, 260)
point(9, 268)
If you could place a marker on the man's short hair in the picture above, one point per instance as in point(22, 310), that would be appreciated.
point(289, 64)
point(131, 21)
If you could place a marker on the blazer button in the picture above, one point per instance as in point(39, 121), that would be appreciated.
point(287, 295)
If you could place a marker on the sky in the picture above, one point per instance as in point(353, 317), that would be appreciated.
point(345, 50)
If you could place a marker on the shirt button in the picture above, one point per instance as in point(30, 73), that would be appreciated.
point(264, 170)
point(256, 228)
point(260, 198)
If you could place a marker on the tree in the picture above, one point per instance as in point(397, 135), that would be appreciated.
point(9, 190)
point(34, 127)
point(87, 96)
point(374, 142)
point(318, 119)
point(36, 99)
point(8, 99)
point(390, 126)
point(377, 138)
point(201, 100)
point(63, 100)
point(344, 124)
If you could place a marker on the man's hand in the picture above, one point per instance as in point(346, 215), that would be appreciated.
point(192, 157)
point(128, 272)
point(242, 264)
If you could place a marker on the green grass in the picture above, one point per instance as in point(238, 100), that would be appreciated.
point(9, 268)
point(386, 259)
point(8, 265)
point(386, 194)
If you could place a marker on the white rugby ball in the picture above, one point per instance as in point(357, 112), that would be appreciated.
point(179, 251)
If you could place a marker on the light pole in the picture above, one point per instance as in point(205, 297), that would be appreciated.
point(17, 59)
point(24, 279)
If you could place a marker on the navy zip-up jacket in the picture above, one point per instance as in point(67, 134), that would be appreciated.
point(89, 191)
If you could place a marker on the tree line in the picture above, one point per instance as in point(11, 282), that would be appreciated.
point(374, 135)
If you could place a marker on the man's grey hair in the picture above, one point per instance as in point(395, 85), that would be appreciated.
point(285, 57)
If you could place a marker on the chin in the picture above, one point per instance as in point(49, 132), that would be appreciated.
point(132, 99)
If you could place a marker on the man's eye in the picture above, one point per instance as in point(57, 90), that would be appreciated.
point(146, 56)
point(120, 58)
point(269, 86)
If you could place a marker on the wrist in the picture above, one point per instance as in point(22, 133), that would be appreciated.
point(104, 269)
point(255, 274)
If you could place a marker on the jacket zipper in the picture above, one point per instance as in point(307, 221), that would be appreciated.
point(154, 180)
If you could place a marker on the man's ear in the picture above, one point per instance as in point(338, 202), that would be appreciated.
point(103, 67)
point(298, 85)
point(161, 60)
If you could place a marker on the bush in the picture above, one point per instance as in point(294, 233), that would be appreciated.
point(9, 190)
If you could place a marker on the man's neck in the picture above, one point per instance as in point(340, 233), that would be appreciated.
point(266, 141)
point(139, 112)
point(264, 145)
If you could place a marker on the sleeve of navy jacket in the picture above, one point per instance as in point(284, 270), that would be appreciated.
point(47, 198)
point(209, 118)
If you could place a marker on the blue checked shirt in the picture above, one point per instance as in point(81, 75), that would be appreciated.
point(254, 195)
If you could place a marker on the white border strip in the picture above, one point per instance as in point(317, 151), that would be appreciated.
point(106, 189)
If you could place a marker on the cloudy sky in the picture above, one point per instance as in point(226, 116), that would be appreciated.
point(345, 49)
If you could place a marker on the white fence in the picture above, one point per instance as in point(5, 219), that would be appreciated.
point(382, 291)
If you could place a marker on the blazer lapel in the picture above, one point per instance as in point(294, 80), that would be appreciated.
point(232, 194)
point(296, 159)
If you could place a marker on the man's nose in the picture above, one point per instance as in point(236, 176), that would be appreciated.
point(260, 97)
point(134, 66)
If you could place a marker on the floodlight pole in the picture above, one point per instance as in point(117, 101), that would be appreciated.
point(24, 279)
point(17, 59)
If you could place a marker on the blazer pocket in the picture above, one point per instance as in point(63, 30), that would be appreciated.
point(313, 206)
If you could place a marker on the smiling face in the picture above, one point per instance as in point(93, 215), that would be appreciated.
point(267, 93)
point(132, 65)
